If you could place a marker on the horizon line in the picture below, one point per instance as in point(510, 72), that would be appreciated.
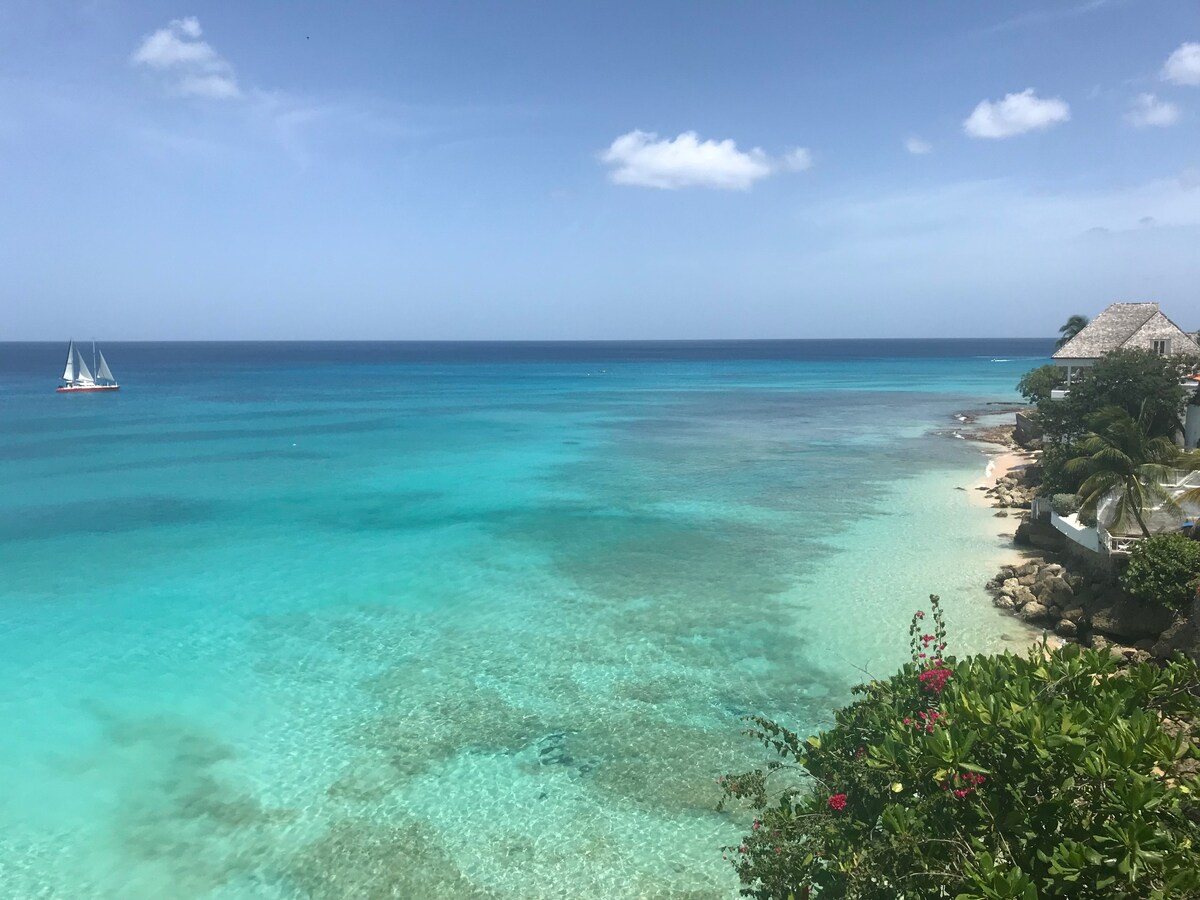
point(525, 340)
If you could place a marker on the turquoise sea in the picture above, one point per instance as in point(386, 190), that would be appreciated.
point(455, 620)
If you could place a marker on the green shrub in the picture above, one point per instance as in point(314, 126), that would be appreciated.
point(989, 778)
point(1036, 384)
point(1055, 477)
point(1164, 568)
point(1065, 504)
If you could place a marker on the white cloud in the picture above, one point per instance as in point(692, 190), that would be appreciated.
point(641, 158)
point(1183, 66)
point(798, 160)
point(917, 147)
point(1046, 16)
point(218, 87)
point(1148, 110)
point(197, 69)
point(1015, 114)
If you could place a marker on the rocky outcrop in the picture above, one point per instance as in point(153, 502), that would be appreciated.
point(1017, 489)
point(1130, 620)
point(1028, 432)
point(1092, 610)
point(1040, 535)
point(1183, 636)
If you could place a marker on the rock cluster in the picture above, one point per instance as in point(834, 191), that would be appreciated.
point(1015, 490)
point(1090, 611)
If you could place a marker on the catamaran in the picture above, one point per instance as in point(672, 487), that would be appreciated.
point(78, 377)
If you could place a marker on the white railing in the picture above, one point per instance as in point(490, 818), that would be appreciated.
point(1119, 544)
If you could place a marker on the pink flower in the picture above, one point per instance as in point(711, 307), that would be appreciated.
point(837, 802)
point(934, 679)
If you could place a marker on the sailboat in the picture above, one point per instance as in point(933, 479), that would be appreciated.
point(78, 377)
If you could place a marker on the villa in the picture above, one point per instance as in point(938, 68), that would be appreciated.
point(1125, 326)
point(1132, 326)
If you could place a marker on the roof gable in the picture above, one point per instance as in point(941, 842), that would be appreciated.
point(1157, 328)
point(1110, 331)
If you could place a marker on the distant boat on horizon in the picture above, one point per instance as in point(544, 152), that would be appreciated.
point(78, 377)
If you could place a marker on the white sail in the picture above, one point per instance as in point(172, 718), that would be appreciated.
point(103, 372)
point(69, 371)
point(85, 374)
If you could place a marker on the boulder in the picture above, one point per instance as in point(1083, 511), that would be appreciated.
point(1023, 596)
point(1066, 628)
point(1084, 594)
point(1130, 619)
point(1028, 580)
point(1054, 590)
point(1074, 613)
point(1183, 636)
point(1034, 612)
point(1004, 601)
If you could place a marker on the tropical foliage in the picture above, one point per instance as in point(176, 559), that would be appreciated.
point(1164, 569)
point(1136, 381)
point(1065, 504)
point(1053, 775)
point(1069, 329)
point(1123, 460)
point(1036, 384)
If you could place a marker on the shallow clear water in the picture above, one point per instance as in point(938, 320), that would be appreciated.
point(396, 620)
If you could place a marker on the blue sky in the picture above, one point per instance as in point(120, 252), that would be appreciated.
point(566, 170)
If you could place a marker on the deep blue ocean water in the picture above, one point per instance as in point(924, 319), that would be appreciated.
point(340, 620)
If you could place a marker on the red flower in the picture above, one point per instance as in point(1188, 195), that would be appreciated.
point(934, 679)
point(962, 784)
point(837, 802)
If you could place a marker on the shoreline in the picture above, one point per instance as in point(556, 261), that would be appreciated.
point(1003, 458)
point(999, 463)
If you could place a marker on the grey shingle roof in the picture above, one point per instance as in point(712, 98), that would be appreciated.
point(1113, 328)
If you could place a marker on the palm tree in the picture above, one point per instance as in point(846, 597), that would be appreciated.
point(1122, 460)
point(1070, 328)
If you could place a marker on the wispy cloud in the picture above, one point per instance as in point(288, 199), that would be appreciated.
point(1015, 114)
point(798, 160)
point(1148, 110)
point(916, 146)
point(192, 67)
point(643, 159)
point(989, 206)
point(1046, 16)
point(1183, 66)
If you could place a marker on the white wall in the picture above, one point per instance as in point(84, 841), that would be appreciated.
point(1191, 431)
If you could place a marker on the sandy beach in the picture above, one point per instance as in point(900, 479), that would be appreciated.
point(997, 466)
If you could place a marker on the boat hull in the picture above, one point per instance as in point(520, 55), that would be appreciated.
point(86, 388)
